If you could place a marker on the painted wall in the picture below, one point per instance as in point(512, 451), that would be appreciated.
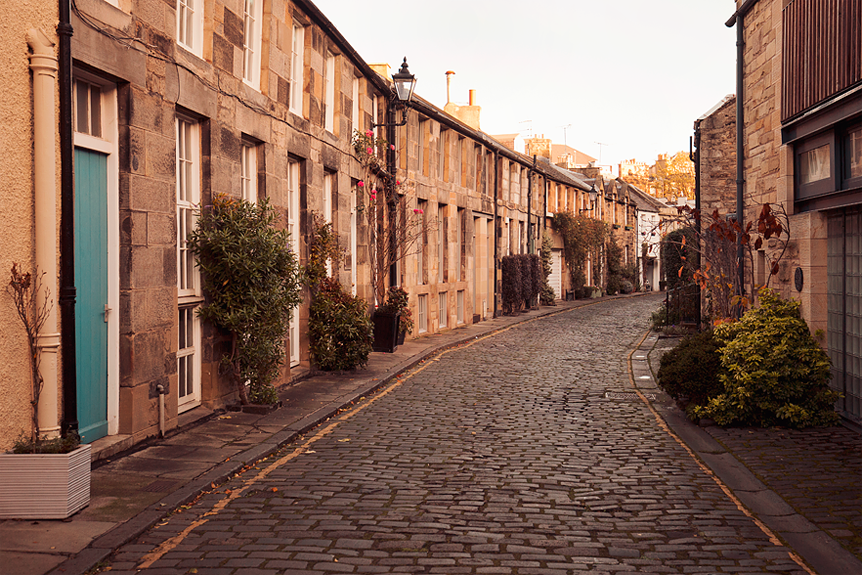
point(16, 202)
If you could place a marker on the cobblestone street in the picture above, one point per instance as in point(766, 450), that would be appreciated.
point(517, 453)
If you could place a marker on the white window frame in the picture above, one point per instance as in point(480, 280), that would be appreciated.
point(353, 247)
point(459, 301)
point(190, 22)
point(355, 115)
point(297, 64)
point(441, 242)
point(422, 313)
point(293, 171)
point(329, 186)
point(248, 172)
point(420, 251)
point(188, 354)
point(442, 309)
point(459, 245)
point(329, 93)
point(188, 162)
point(251, 42)
point(441, 155)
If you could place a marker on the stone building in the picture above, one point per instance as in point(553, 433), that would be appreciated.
point(801, 135)
point(176, 104)
point(715, 160)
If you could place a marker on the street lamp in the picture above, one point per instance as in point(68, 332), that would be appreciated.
point(594, 193)
point(405, 83)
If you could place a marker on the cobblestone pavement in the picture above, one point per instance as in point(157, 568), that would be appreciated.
point(817, 471)
point(504, 456)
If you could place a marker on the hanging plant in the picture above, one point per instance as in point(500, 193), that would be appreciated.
point(252, 280)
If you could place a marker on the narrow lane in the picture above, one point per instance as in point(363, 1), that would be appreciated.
point(505, 456)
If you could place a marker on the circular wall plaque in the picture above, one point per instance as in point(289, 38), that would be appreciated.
point(798, 279)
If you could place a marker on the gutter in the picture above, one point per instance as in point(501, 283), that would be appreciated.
point(741, 12)
point(67, 297)
point(739, 20)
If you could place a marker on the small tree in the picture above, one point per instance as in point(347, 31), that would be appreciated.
point(548, 296)
point(709, 255)
point(395, 231)
point(252, 280)
point(24, 289)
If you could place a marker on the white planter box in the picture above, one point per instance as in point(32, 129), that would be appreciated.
point(44, 486)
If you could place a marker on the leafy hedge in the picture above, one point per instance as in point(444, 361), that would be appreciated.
point(511, 284)
point(340, 331)
point(547, 292)
point(691, 369)
point(774, 371)
point(252, 281)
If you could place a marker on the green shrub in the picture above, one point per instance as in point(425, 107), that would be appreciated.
point(340, 332)
point(511, 284)
point(774, 371)
point(691, 369)
point(252, 280)
point(536, 268)
point(397, 303)
point(548, 296)
point(526, 279)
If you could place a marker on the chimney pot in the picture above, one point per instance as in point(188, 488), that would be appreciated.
point(472, 97)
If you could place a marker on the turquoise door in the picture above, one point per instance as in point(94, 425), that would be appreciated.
point(91, 280)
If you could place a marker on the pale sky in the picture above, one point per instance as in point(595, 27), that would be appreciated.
point(631, 74)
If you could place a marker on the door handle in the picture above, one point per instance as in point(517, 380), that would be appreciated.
point(107, 310)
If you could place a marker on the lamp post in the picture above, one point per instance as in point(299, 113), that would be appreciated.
point(400, 97)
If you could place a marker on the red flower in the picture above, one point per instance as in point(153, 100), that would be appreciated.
point(360, 183)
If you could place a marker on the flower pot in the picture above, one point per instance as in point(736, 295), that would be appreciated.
point(401, 335)
point(44, 486)
point(385, 331)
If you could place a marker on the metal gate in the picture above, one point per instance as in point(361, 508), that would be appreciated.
point(844, 323)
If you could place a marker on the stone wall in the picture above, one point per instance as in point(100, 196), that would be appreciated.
point(769, 164)
point(717, 159)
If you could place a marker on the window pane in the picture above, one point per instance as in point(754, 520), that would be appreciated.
point(182, 330)
point(853, 153)
point(181, 369)
point(814, 165)
point(95, 111)
point(81, 112)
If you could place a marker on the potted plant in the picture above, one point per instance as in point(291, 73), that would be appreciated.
point(392, 321)
point(43, 478)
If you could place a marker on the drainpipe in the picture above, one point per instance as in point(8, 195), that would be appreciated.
point(530, 206)
point(67, 226)
point(43, 63)
point(496, 224)
point(738, 19)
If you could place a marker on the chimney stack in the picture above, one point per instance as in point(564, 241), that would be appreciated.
point(472, 97)
point(449, 75)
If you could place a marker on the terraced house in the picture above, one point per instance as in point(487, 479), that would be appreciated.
point(172, 103)
point(799, 138)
